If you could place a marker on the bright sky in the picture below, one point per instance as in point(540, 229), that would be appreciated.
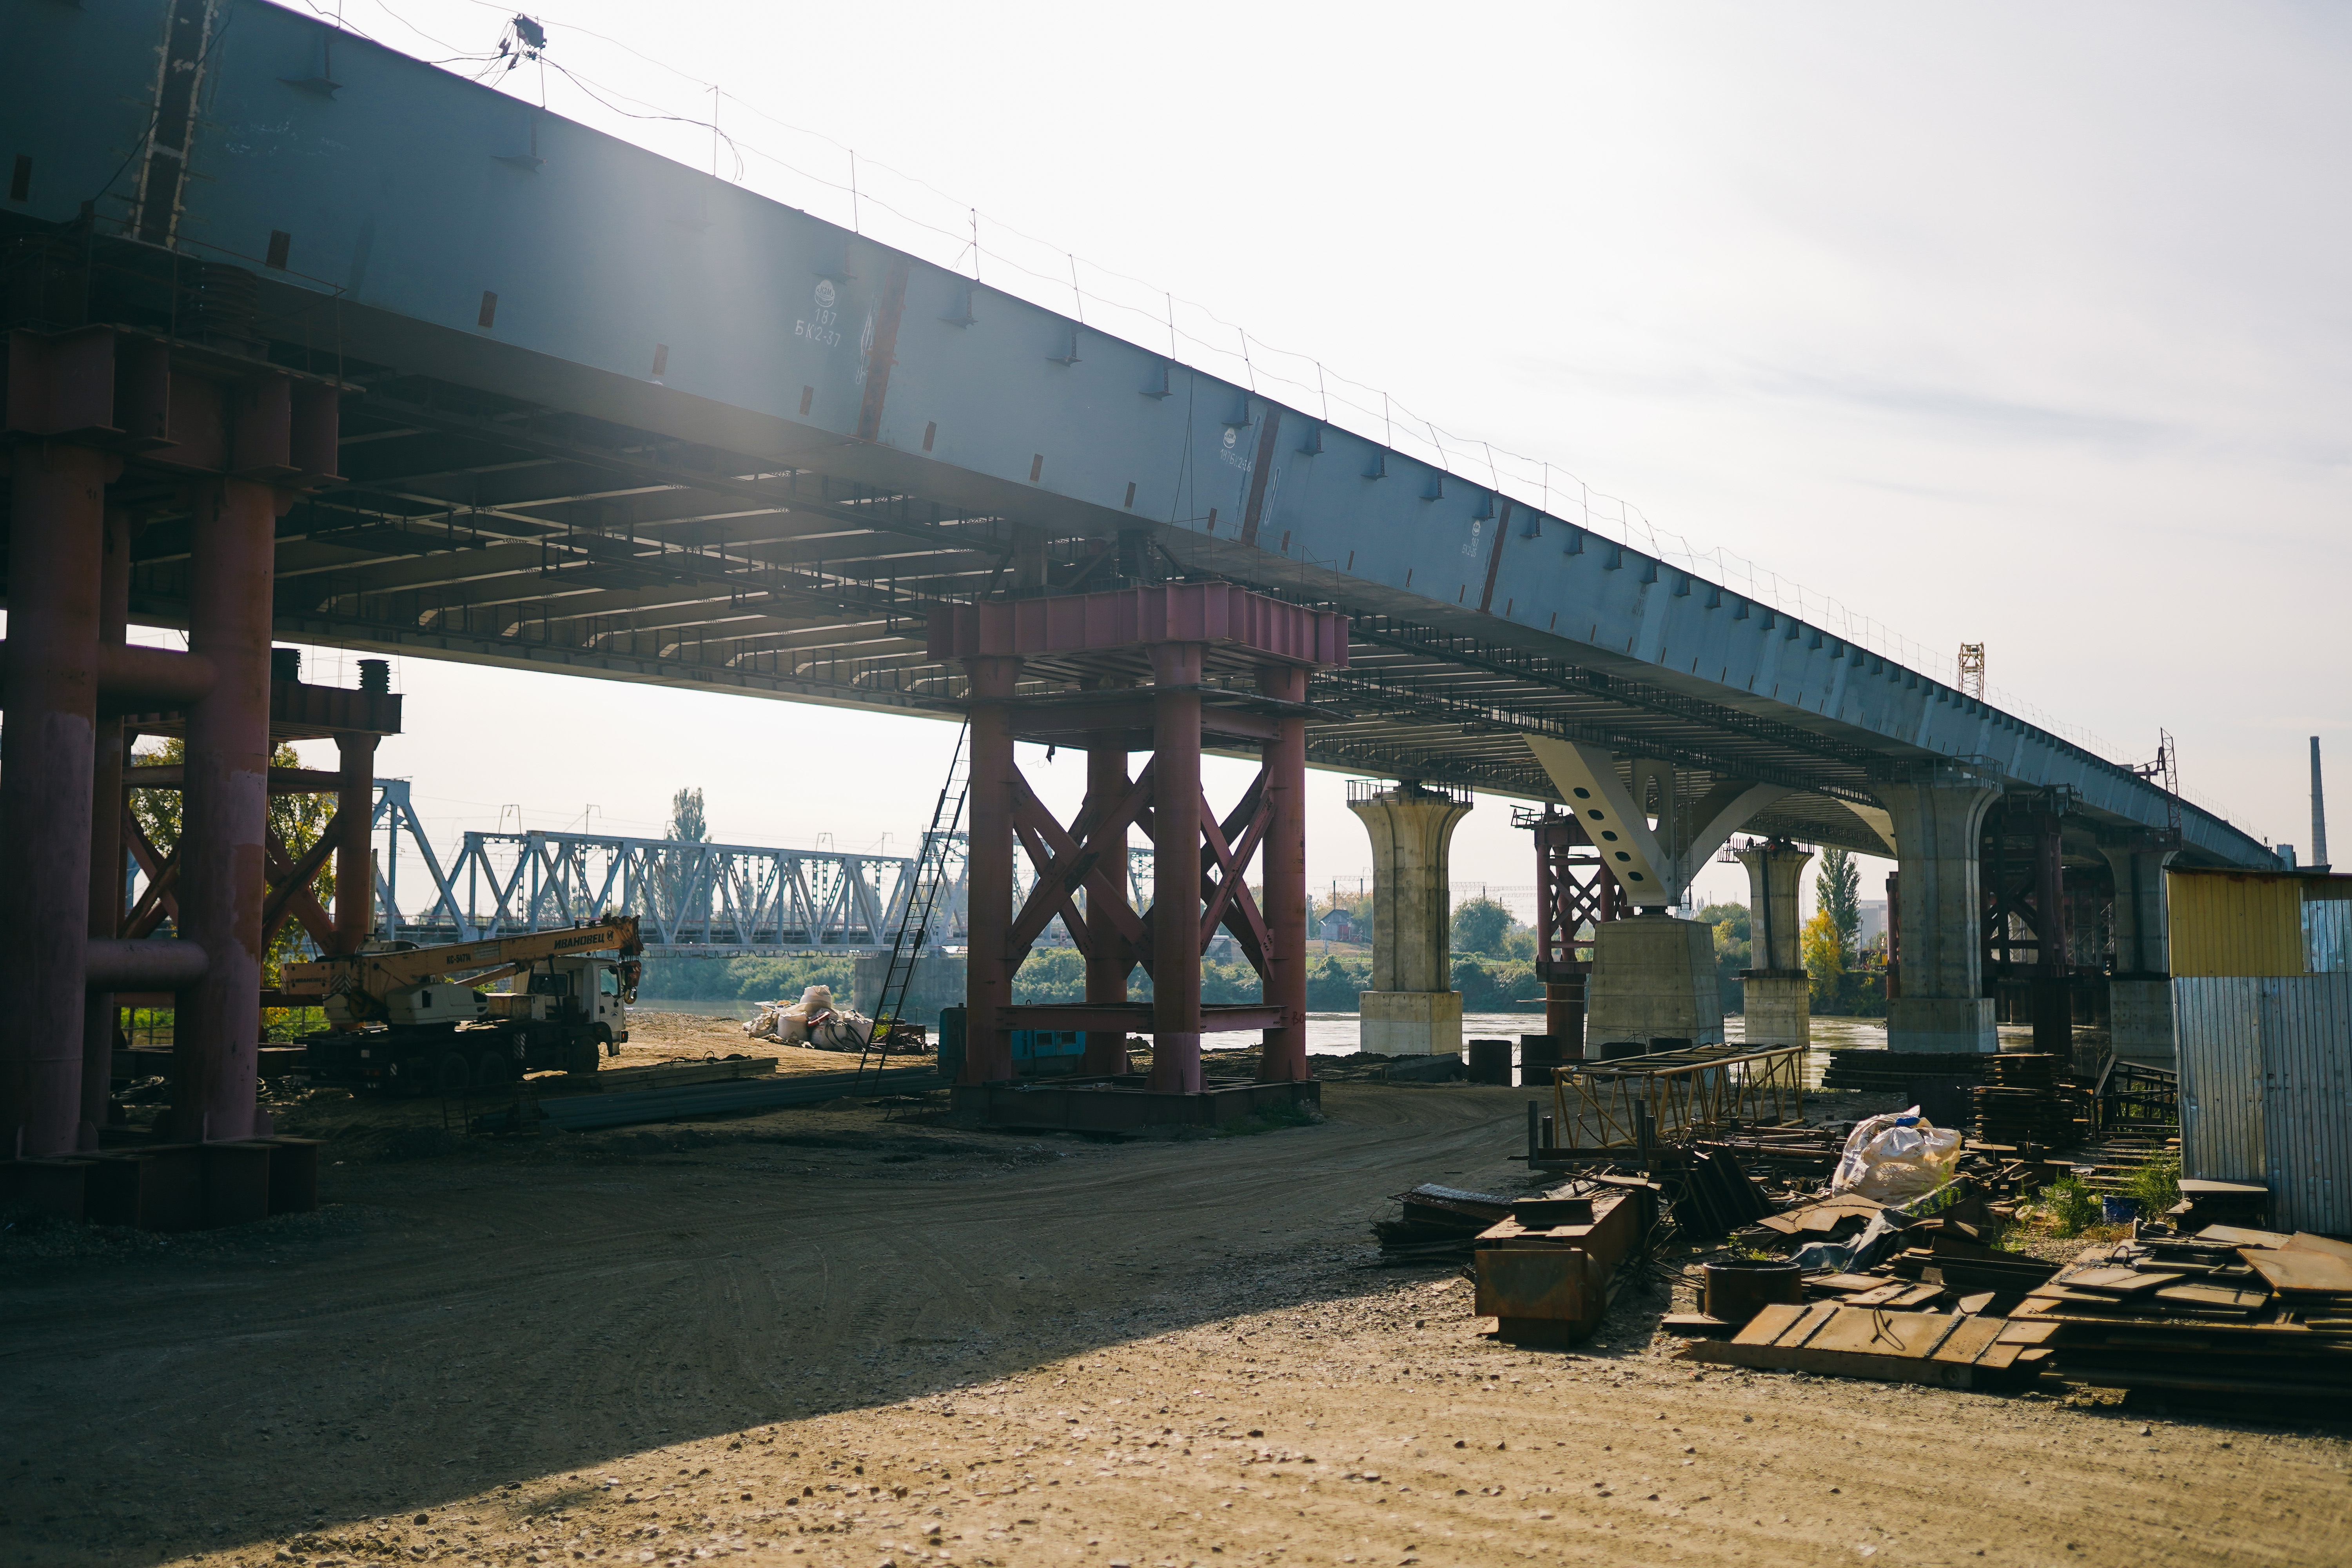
point(2007, 322)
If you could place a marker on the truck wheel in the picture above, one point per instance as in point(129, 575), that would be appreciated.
point(453, 1075)
point(583, 1054)
point(490, 1070)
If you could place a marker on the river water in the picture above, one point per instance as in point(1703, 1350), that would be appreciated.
point(1336, 1034)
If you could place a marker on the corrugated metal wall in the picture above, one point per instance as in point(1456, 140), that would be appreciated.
point(2234, 922)
point(2218, 1020)
point(2266, 1090)
point(2307, 1102)
point(2327, 935)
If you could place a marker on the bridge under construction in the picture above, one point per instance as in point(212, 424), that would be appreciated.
point(309, 341)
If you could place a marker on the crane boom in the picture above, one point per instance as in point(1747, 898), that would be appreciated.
point(377, 974)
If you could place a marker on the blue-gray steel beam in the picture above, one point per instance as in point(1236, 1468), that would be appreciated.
point(452, 231)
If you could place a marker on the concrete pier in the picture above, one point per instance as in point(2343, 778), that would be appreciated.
point(1775, 990)
point(1652, 978)
point(1937, 813)
point(2139, 991)
point(1413, 1008)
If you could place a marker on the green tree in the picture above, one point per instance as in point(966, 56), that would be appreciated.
point(1837, 887)
point(1731, 949)
point(1480, 925)
point(675, 885)
point(298, 820)
point(687, 822)
point(1824, 947)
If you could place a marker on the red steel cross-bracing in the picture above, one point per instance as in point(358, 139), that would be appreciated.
point(1573, 890)
point(1154, 669)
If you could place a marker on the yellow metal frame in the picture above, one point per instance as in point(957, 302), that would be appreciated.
point(1692, 1093)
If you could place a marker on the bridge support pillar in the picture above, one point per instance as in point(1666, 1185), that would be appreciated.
point(1654, 979)
point(995, 790)
point(1282, 870)
point(1194, 639)
point(46, 751)
point(2139, 992)
point(1112, 959)
point(1574, 888)
point(1775, 990)
point(106, 854)
point(1937, 814)
point(1413, 1008)
point(225, 813)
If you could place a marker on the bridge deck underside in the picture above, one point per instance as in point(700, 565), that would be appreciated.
point(473, 528)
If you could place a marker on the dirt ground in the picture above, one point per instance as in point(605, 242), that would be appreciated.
point(821, 1338)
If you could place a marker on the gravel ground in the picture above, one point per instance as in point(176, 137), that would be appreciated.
point(823, 1338)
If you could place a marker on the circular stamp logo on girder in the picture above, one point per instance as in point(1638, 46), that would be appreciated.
point(1229, 437)
point(824, 294)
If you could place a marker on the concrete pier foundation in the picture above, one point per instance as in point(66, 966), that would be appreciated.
point(1654, 978)
point(1413, 1008)
point(1775, 993)
point(1937, 813)
point(2140, 1027)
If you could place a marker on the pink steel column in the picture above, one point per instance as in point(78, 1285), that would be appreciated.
point(1108, 964)
point(222, 859)
point(988, 982)
point(354, 855)
point(1176, 869)
point(105, 833)
point(55, 538)
point(1282, 860)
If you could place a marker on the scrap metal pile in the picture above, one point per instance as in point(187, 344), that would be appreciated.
point(2230, 1313)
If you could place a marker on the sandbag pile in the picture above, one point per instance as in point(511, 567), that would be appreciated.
point(811, 1021)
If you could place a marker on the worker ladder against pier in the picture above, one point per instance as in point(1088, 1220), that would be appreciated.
point(932, 878)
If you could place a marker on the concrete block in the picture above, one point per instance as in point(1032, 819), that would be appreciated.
point(1653, 977)
point(1943, 1025)
point(2140, 1025)
point(1779, 1007)
point(1410, 1023)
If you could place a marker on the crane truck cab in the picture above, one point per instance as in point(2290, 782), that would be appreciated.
point(406, 1019)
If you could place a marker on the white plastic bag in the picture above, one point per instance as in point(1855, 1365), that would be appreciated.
point(1893, 1159)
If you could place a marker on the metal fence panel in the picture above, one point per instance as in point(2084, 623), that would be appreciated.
point(2327, 935)
point(2306, 1060)
point(2218, 1020)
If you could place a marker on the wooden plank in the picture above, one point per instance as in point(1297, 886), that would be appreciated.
point(668, 1076)
point(2303, 1272)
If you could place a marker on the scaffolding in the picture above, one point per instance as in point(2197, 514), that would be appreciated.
point(1635, 1103)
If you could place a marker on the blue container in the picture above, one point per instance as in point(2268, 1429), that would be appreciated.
point(2119, 1210)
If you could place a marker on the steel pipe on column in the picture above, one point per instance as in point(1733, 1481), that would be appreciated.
point(354, 851)
point(987, 973)
point(1282, 862)
point(226, 812)
point(50, 696)
point(1176, 869)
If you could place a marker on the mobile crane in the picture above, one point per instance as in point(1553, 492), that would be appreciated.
point(409, 1019)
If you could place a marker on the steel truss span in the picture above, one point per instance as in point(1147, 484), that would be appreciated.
point(840, 439)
